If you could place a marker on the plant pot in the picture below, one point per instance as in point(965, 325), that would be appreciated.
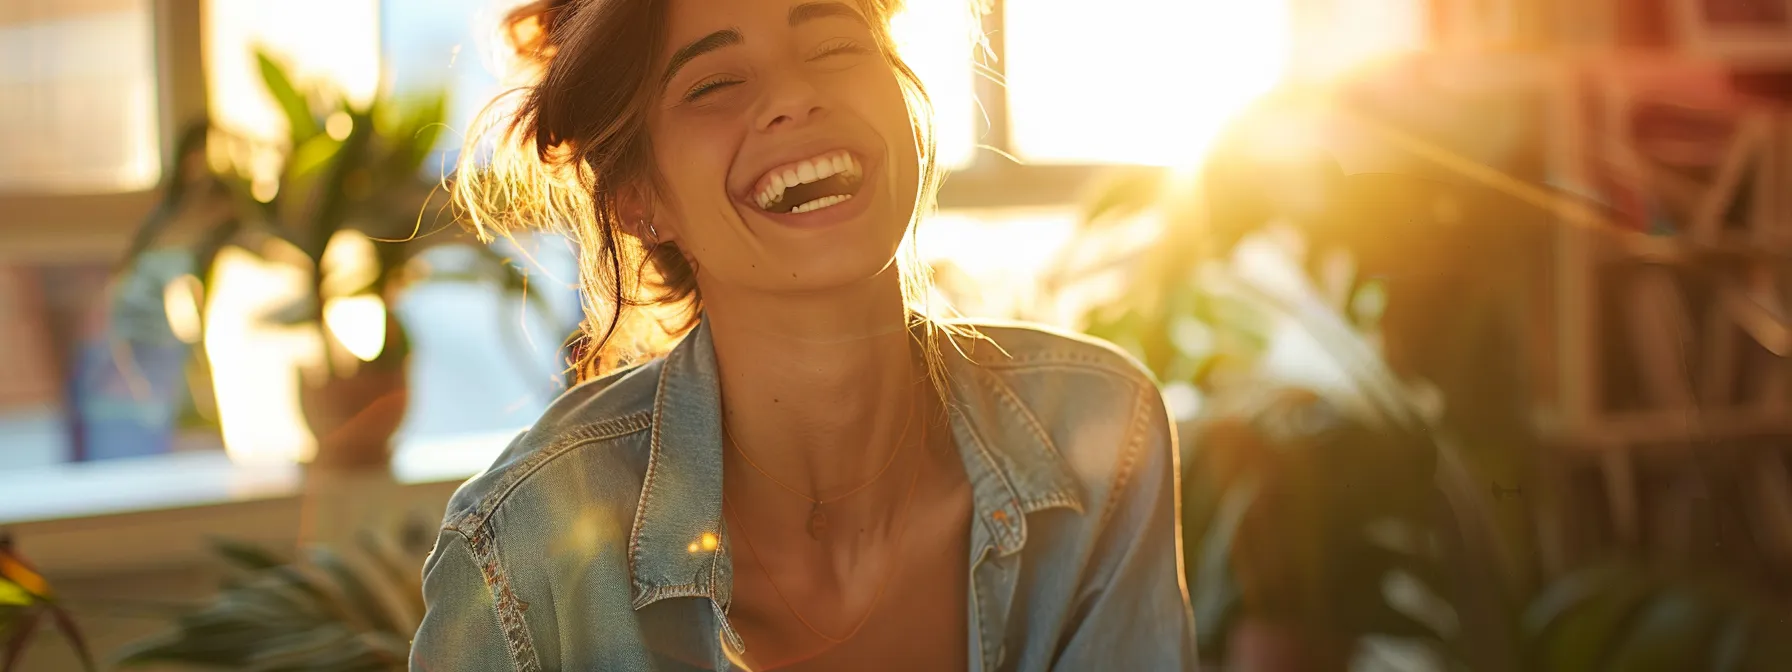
point(354, 414)
point(1264, 646)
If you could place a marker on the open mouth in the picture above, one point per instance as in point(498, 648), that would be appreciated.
point(822, 181)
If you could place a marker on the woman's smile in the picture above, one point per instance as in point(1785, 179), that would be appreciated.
point(810, 184)
point(820, 190)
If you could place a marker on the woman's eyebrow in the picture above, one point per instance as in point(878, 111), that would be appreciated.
point(803, 13)
point(810, 11)
point(708, 43)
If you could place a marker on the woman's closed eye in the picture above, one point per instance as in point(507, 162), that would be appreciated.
point(839, 47)
point(709, 86)
point(831, 49)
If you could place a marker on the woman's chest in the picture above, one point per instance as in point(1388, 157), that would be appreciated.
point(919, 618)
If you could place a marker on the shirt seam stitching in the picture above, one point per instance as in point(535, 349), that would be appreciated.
point(1130, 458)
point(647, 482)
point(517, 639)
point(567, 442)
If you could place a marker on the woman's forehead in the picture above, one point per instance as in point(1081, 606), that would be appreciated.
point(689, 20)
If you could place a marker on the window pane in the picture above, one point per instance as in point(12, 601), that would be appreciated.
point(483, 361)
point(80, 89)
point(1135, 81)
point(935, 39)
point(333, 41)
point(433, 45)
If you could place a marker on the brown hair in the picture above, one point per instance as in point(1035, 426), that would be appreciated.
point(558, 149)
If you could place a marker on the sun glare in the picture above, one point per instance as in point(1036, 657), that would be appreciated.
point(935, 38)
point(255, 364)
point(180, 300)
point(358, 323)
point(1137, 81)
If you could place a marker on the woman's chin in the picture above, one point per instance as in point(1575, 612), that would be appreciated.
point(837, 267)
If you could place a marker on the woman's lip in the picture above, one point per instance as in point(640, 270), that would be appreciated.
point(828, 216)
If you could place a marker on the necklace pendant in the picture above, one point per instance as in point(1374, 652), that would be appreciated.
point(818, 523)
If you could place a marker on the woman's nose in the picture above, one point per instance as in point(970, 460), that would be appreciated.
point(790, 100)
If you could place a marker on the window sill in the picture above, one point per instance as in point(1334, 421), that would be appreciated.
point(139, 514)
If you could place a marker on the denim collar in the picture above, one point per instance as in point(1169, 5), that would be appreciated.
point(1013, 468)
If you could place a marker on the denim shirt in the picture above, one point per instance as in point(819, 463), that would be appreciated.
point(596, 540)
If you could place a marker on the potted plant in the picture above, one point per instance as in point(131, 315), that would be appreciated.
point(346, 203)
point(332, 609)
point(1355, 341)
point(26, 602)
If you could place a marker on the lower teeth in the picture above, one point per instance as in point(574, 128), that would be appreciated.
point(820, 203)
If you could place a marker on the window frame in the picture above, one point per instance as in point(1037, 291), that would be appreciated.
point(84, 227)
point(43, 227)
point(996, 177)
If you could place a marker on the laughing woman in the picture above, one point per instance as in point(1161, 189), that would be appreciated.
point(818, 475)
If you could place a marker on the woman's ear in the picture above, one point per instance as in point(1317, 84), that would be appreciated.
point(636, 208)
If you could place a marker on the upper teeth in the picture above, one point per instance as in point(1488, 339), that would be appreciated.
point(772, 186)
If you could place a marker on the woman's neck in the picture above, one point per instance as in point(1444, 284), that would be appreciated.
point(817, 388)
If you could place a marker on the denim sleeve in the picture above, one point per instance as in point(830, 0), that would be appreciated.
point(460, 629)
point(1136, 614)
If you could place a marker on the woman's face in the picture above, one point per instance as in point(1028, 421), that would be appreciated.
point(783, 142)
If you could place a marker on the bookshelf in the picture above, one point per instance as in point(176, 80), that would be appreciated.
point(1666, 343)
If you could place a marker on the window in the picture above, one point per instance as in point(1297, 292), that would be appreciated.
point(1135, 81)
point(432, 45)
point(335, 41)
point(80, 86)
point(935, 39)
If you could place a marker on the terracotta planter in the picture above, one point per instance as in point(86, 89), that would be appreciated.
point(354, 415)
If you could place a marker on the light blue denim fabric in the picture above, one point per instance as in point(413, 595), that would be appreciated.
point(581, 548)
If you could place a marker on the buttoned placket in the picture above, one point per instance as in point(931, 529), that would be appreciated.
point(997, 530)
point(989, 611)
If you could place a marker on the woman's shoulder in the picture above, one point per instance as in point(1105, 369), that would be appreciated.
point(590, 441)
point(1007, 345)
point(1057, 401)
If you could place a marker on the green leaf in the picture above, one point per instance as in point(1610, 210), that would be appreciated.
point(1583, 617)
point(175, 188)
point(357, 589)
point(314, 154)
point(1215, 592)
point(1673, 634)
point(13, 595)
point(246, 556)
point(280, 85)
point(338, 185)
point(415, 138)
point(295, 649)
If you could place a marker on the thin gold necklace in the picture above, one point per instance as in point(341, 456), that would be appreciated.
point(889, 574)
point(818, 519)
